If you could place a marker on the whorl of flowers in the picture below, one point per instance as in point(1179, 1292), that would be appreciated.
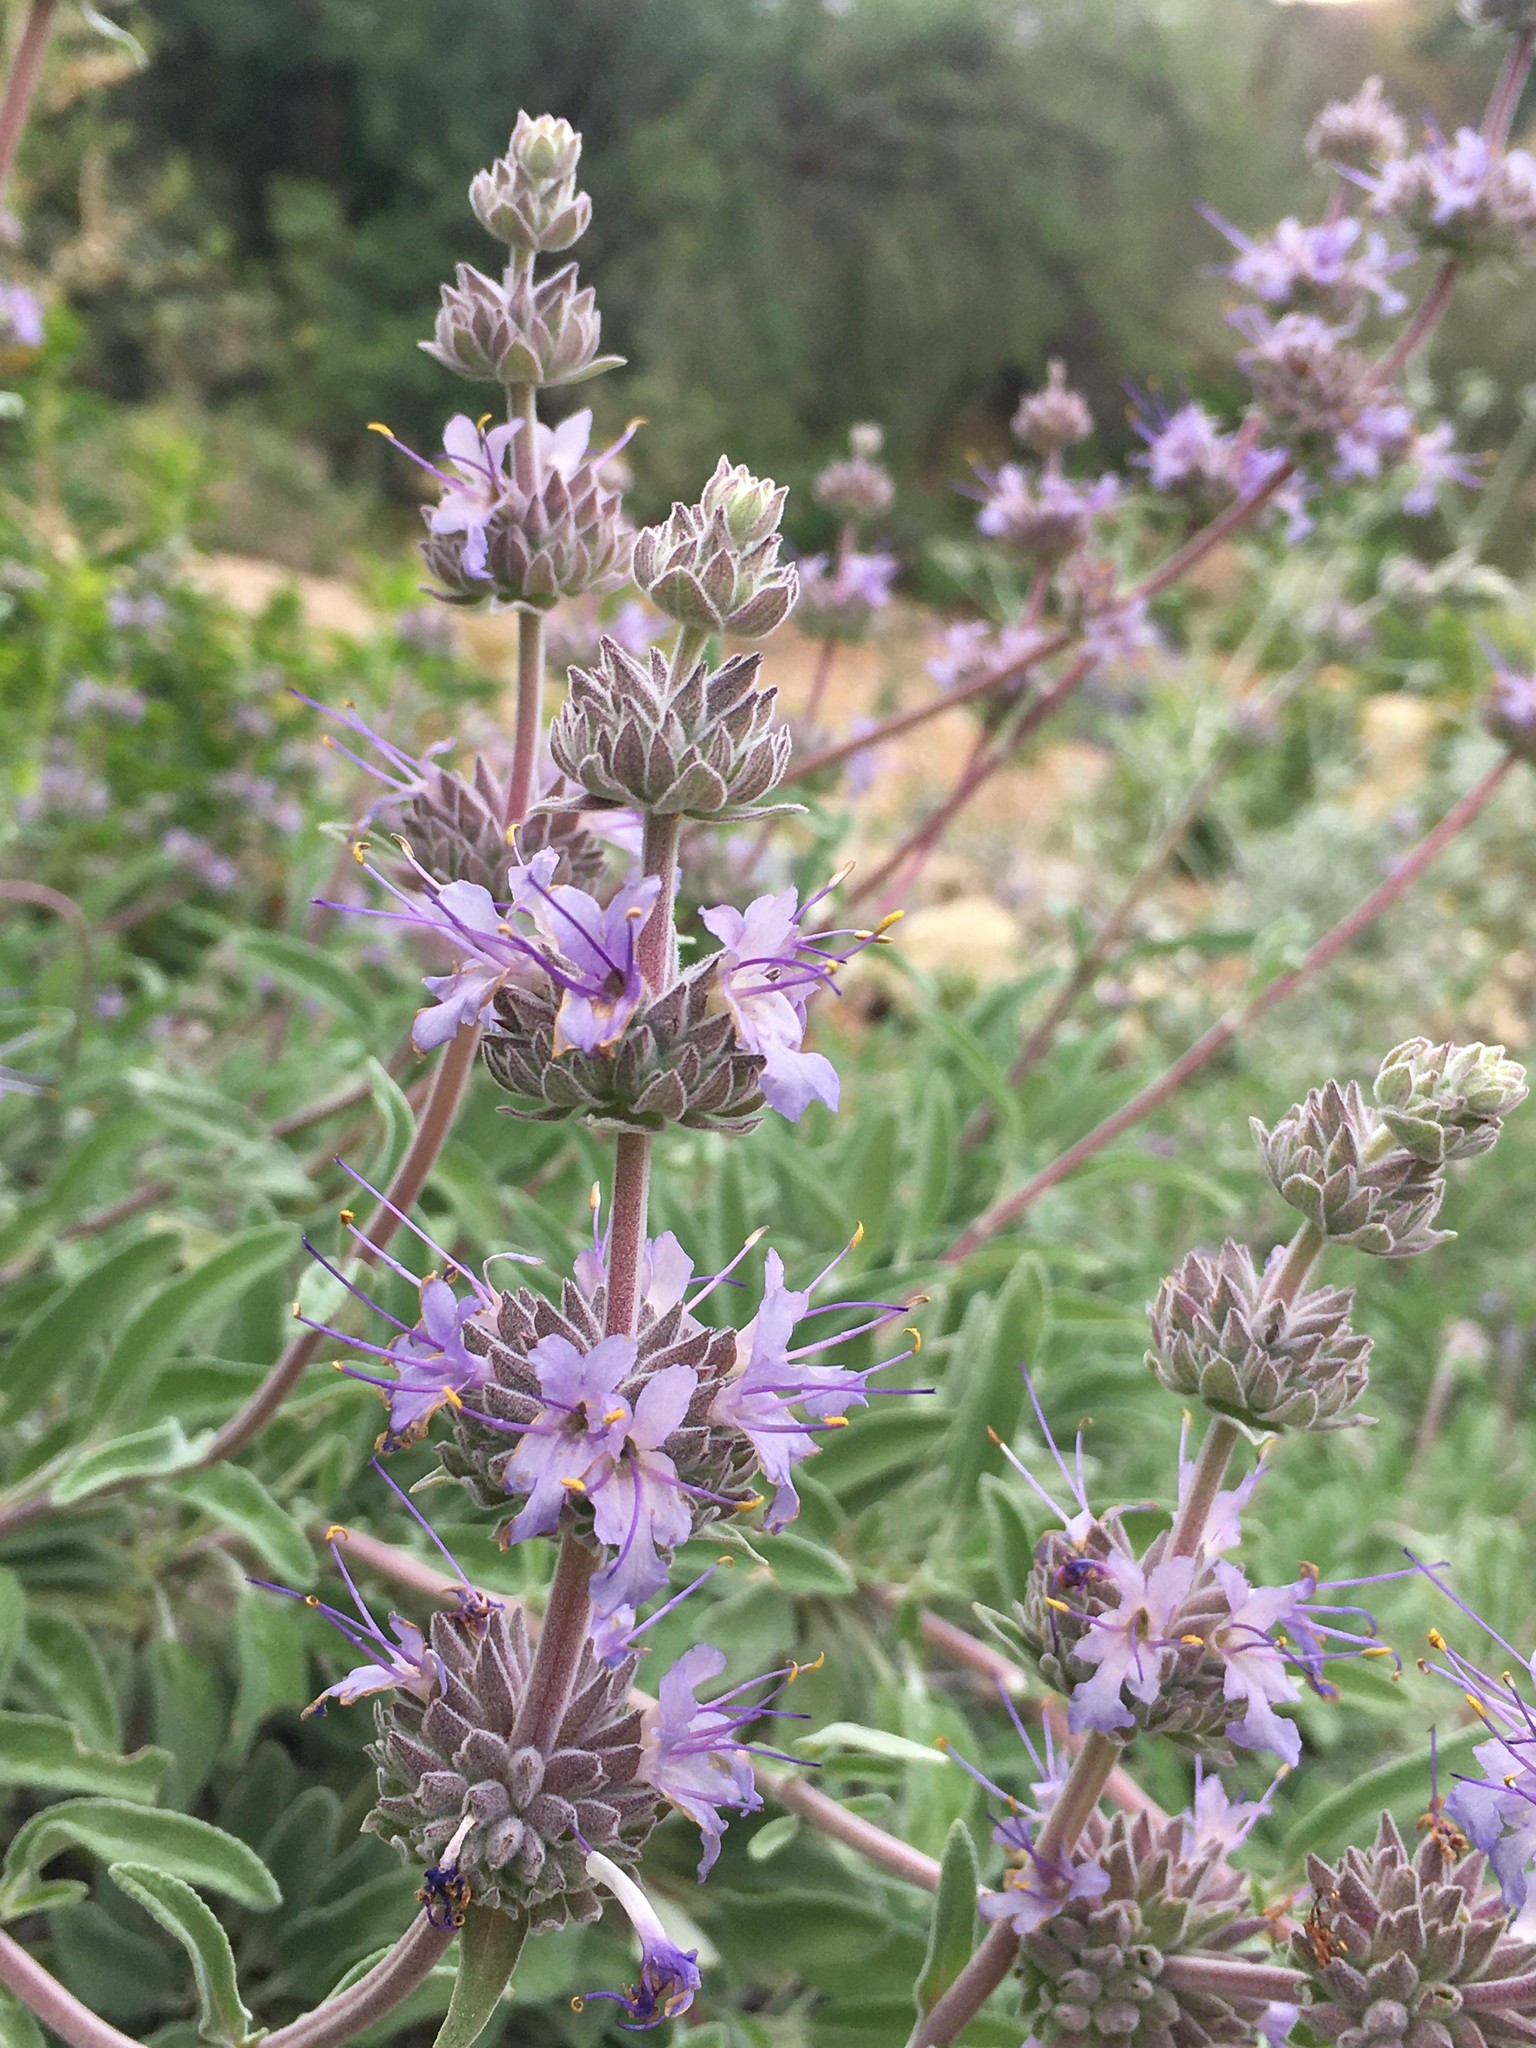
point(1409, 1948)
point(1221, 1336)
point(714, 566)
point(1467, 196)
point(1096, 1973)
point(1335, 1160)
point(703, 744)
point(1509, 710)
point(857, 487)
point(1054, 417)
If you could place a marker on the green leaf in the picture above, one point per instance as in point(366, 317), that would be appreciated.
point(13, 1624)
point(272, 1661)
point(55, 1341)
point(773, 1837)
point(1350, 1814)
point(841, 1738)
point(933, 1157)
point(183, 1914)
point(801, 1566)
point(489, 1947)
point(44, 1754)
point(150, 1453)
point(150, 1336)
point(399, 1121)
point(65, 1662)
point(952, 1935)
point(175, 1844)
point(18, 2029)
point(235, 1497)
point(307, 970)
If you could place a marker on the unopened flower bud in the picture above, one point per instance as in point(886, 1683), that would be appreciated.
point(528, 198)
point(1218, 1335)
point(1333, 1159)
point(1052, 419)
point(866, 439)
point(704, 745)
point(714, 566)
point(1444, 1102)
point(1355, 134)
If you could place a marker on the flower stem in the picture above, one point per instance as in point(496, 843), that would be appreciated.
point(631, 1187)
point(828, 1818)
point(993, 1960)
point(1231, 1978)
point(59, 2010)
point(562, 1639)
point(529, 729)
point(389, 1983)
point(1506, 94)
point(22, 82)
point(1396, 884)
point(1221, 1440)
point(826, 654)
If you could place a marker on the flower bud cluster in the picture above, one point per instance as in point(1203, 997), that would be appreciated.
point(1468, 197)
point(701, 744)
point(1096, 1974)
point(1051, 419)
point(1394, 1943)
point(1373, 1178)
point(1360, 133)
point(1222, 1337)
point(528, 198)
point(543, 332)
point(857, 487)
point(714, 566)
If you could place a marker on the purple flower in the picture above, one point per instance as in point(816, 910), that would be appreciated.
point(430, 1361)
point(1433, 462)
point(1509, 710)
point(1034, 1887)
point(1131, 1643)
point(1253, 1668)
point(1044, 514)
point(1497, 1810)
point(1464, 195)
point(588, 1441)
point(693, 1753)
point(838, 596)
point(21, 318)
point(191, 851)
point(143, 614)
point(1218, 1821)
point(1188, 452)
point(1378, 436)
point(768, 972)
point(774, 1378)
point(85, 696)
point(398, 1659)
point(596, 947)
point(1316, 266)
point(669, 1975)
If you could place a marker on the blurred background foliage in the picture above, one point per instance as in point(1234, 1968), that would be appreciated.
point(804, 213)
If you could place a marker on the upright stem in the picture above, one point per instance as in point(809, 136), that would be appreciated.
point(1221, 1440)
point(22, 83)
point(826, 654)
point(631, 1189)
point(993, 1960)
point(1398, 881)
point(562, 1639)
point(1506, 94)
point(530, 716)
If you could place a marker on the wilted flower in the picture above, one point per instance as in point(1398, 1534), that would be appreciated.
point(669, 1976)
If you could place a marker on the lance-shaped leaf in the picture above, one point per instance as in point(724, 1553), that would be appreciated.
point(489, 1947)
point(114, 1831)
point(46, 1755)
point(223, 2015)
point(952, 1935)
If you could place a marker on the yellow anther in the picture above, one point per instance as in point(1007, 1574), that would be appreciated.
point(1423, 1664)
point(378, 427)
point(296, 1313)
point(1193, 1639)
point(337, 1534)
point(615, 1415)
point(311, 1600)
point(578, 2004)
point(574, 1485)
point(800, 1670)
point(753, 1235)
point(453, 1398)
point(917, 1300)
point(916, 1336)
point(595, 1199)
point(1506, 1678)
point(337, 1366)
point(753, 1500)
point(511, 835)
point(1059, 1606)
point(360, 851)
point(835, 1421)
point(842, 873)
point(1476, 1705)
point(992, 1433)
point(941, 1742)
point(1509, 1780)
point(857, 1237)
point(1378, 1650)
point(347, 1215)
point(480, 423)
point(891, 917)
